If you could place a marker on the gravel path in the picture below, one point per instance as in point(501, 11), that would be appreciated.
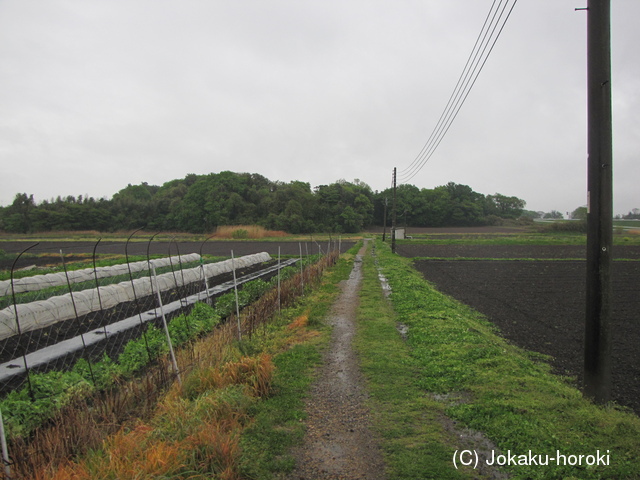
point(340, 443)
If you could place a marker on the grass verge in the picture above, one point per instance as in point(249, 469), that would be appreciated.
point(484, 383)
point(415, 442)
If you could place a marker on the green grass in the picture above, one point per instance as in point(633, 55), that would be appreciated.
point(415, 442)
point(508, 394)
point(277, 421)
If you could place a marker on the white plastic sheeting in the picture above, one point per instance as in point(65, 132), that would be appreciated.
point(44, 313)
point(40, 282)
point(16, 367)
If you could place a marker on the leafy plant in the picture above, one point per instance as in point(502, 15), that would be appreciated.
point(25, 409)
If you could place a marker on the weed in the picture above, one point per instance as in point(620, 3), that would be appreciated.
point(246, 231)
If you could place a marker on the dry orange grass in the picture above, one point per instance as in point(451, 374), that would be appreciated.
point(299, 322)
point(246, 231)
point(193, 433)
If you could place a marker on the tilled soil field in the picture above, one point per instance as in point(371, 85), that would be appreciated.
point(48, 252)
point(540, 305)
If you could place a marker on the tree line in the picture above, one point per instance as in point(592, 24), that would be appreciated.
point(199, 203)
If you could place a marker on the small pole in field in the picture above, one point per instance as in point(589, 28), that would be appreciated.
point(5, 450)
point(166, 327)
point(301, 269)
point(19, 330)
point(393, 214)
point(75, 311)
point(235, 289)
point(95, 275)
point(204, 273)
point(384, 220)
point(206, 282)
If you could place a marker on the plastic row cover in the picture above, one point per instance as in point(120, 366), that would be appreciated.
point(43, 313)
point(40, 282)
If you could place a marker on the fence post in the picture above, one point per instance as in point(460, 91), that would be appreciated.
point(306, 247)
point(301, 270)
point(75, 311)
point(235, 289)
point(175, 280)
point(279, 301)
point(95, 275)
point(133, 287)
point(206, 282)
point(5, 450)
point(173, 272)
point(149, 264)
point(204, 274)
point(184, 287)
point(15, 307)
point(164, 324)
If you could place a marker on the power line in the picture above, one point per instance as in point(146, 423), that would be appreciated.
point(463, 75)
point(491, 29)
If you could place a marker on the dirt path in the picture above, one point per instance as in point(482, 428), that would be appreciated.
point(339, 443)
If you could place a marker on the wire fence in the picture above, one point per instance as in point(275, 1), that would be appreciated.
point(75, 338)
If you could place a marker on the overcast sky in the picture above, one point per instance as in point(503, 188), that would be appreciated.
point(96, 94)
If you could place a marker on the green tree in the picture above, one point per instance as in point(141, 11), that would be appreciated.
point(579, 213)
point(18, 215)
point(133, 207)
point(465, 205)
point(505, 207)
point(349, 221)
point(333, 200)
point(553, 214)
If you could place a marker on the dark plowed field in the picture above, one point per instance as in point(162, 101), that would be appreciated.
point(510, 251)
point(540, 305)
point(48, 252)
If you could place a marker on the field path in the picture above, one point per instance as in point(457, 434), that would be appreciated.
point(339, 443)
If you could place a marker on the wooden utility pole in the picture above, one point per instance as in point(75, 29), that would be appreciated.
point(393, 215)
point(384, 228)
point(597, 351)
